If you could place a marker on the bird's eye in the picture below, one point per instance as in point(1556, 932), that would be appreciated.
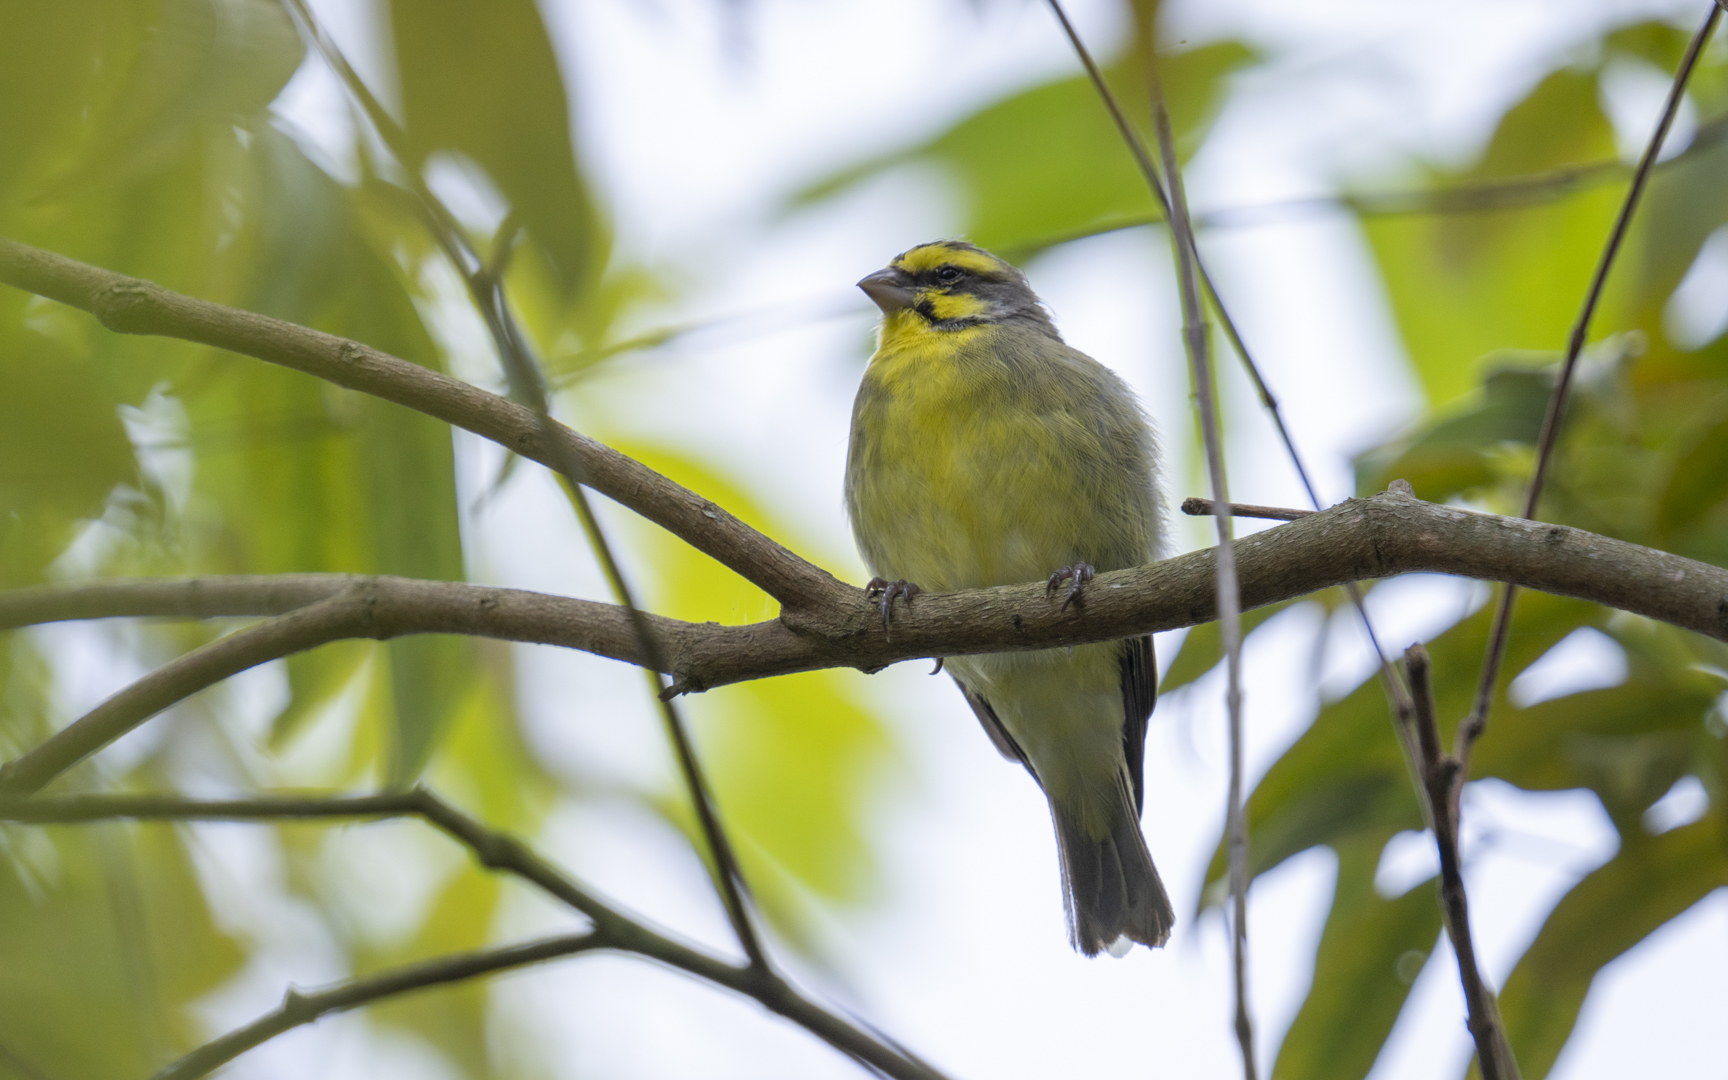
point(948, 275)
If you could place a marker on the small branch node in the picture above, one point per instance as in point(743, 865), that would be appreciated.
point(124, 306)
point(297, 1007)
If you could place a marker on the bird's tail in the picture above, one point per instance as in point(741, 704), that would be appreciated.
point(1112, 890)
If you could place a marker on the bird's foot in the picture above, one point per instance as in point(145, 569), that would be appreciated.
point(1080, 574)
point(885, 591)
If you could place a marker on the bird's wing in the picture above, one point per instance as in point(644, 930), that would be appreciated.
point(1139, 694)
point(999, 736)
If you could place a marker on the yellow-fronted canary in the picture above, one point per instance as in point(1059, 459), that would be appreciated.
point(985, 451)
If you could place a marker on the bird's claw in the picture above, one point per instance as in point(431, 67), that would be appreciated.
point(1080, 573)
point(885, 591)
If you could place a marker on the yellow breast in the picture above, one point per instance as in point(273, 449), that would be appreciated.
point(984, 456)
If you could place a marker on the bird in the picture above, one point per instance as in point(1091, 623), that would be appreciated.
point(986, 451)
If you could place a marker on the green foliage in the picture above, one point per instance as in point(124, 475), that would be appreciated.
point(1370, 953)
point(107, 940)
point(1049, 162)
point(138, 138)
point(506, 112)
point(1485, 300)
point(791, 758)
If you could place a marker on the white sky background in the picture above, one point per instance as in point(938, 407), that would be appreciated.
point(966, 961)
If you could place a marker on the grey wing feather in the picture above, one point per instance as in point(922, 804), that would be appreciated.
point(992, 725)
point(1139, 694)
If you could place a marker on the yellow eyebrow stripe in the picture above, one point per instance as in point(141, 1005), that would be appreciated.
point(931, 256)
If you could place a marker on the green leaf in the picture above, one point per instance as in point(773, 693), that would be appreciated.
point(203, 65)
point(1346, 777)
point(1203, 649)
point(1370, 953)
point(1049, 161)
point(1697, 482)
point(107, 942)
point(482, 81)
point(793, 760)
point(54, 60)
point(1469, 284)
point(1651, 881)
point(1456, 454)
point(62, 448)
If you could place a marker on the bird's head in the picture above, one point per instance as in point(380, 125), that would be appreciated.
point(951, 285)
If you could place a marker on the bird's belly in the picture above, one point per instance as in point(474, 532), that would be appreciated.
point(959, 510)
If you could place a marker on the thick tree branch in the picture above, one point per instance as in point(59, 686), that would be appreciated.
point(1360, 539)
point(130, 305)
point(613, 929)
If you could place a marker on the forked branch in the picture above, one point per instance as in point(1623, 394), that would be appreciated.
point(612, 929)
point(1442, 784)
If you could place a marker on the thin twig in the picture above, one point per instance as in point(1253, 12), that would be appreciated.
point(1194, 506)
point(1197, 335)
point(1471, 729)
point(299, 1008)
point(1390, 681)
point(1442, 776)
point(176, 681)
point(486, 287)
point(1500, 193)
point(498, 851)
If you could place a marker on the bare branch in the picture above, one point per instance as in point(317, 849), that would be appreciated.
point(1357, 540)
point(310, 626)
point(486, 288)
point(1443, 781)
point(1198, 337)
point(1397, 695)
point(132, 306)
point(1471, 729)
point(302, 1008)
point(1198, 507)
point(497, 851)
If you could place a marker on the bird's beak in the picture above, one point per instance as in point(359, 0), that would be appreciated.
point(890, 288)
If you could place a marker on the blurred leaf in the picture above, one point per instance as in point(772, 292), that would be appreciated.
point(1345, 777)
point(1686, 202)
point(1465, 285)
point(1698, 479)
point(1456, 453)
point(1203, 649)
point(315, 678)
point(62, 449)
point(451, 1018)
point(793, 760)
point(54, 60)
point(482, 81)
point(67, 999)
point(205, 63)
point(1049, 160)
point(1651, 881)
point(1369, 955)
